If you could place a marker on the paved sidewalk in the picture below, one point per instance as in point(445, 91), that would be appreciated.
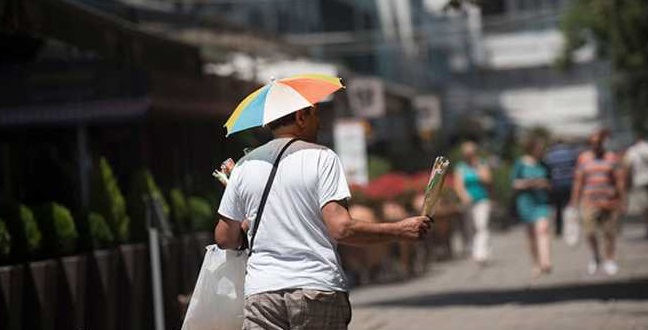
point(461, 295)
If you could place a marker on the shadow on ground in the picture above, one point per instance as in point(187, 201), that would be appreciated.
point(625, 290)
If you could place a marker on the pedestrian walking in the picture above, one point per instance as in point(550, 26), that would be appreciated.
point(636, 160)
point(599, 189)
point(530, 179)
point(472, 178)
point(294, 276)
point(561, 160)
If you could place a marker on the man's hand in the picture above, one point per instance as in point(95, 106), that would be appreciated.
point(245, 225)
point(227, 166)
point(225, 171)
point(414, 228)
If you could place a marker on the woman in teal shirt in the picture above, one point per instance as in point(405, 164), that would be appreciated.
point(531, 182)
point(472, 177)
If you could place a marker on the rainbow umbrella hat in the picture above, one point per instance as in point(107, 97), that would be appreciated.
point(280, 98)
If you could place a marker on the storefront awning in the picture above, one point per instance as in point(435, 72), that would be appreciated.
point(197, 96)
point(75, 113)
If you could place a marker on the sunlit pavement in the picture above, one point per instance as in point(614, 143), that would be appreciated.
point(503, 295)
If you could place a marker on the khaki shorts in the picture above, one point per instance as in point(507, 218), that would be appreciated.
point(297, 309)
point(595, 219)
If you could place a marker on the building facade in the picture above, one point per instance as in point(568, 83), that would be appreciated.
point(117, 90)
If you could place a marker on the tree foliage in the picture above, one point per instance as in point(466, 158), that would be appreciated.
point(618, 28)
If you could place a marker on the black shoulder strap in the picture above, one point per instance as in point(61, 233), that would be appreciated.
point(266, 192)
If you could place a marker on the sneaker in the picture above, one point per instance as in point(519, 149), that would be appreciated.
point(592, 267)
point(610, 267)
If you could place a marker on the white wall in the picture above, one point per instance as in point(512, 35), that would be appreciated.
point(527, 49)
point(568, 111)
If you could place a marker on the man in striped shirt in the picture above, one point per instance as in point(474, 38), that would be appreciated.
point(600, 192)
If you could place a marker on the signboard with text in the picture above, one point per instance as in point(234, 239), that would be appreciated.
point(428, 113)
point(366, 97)
point(351, 147)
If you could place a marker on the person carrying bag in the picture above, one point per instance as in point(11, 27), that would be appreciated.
point(217, 300)
point(294, 277)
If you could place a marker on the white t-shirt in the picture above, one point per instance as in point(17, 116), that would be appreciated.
point(292, 247)
point(637, 158)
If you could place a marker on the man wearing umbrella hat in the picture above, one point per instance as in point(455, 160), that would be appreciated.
point(294, 276)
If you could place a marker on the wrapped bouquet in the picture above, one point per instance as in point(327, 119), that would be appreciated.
point(435, 184)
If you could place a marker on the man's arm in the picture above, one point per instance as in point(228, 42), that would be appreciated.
point(348, 231)
point(228, 234)
point(577, 188)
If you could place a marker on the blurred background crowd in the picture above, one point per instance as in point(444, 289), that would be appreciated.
point(106, 101)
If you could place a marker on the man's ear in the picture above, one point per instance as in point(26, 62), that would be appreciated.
point(300, 118)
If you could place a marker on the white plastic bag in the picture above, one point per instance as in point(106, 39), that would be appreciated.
point(217, 300)
point(571, 226)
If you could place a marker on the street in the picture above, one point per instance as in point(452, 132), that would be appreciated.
point(503, 295)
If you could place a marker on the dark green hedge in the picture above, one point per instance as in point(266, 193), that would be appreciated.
point(143, 185)
point(100, 235)
point(59, 231)
point(5, 241)
point(202, 215)
point(25, 235)
point(108, 201)
point(180, 214)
